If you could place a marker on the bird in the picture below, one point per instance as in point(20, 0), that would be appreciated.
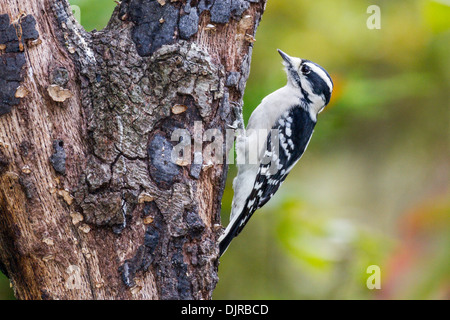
point(277, 134)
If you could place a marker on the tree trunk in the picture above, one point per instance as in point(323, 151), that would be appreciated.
point(92, 205)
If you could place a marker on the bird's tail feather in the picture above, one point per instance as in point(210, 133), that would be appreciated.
point(233, 229)
point(225, 240)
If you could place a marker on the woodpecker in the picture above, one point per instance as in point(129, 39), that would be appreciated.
point(286, 118)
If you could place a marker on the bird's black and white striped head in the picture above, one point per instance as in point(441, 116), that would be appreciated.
point(312, 80)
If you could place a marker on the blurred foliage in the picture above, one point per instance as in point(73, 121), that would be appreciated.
point(372, 187)
point(379, 152)
point(93, 14)
point(6, 292)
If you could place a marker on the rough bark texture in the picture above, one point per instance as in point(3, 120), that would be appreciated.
point(91, 207)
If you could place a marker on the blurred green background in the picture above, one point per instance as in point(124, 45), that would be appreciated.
point(373, 186)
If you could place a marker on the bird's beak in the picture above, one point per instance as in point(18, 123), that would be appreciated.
point(284, 56)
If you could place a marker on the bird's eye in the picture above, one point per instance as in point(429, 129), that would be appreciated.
point(305, 69)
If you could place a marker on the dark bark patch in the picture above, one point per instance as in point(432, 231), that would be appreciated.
point(12, 39)
point(154, 25)
point(25, 148)
point(11, 75)
point(58, 158)
point(173, 274)
point(11, 67)
point(195, 170)
point(204, 5)
point(145, 254)
point(27, 185)
point(4, 163)
point(221, 11)
point(141, 261)
point(238, 8)
point(184, 290)
point(188, 24)
point(151, 239)
point(28, 25)
point(162, 169)
point(194, 223)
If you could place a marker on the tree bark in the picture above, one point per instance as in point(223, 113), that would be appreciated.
point(91, 205)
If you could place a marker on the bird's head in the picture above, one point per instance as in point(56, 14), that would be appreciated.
point(313, 81)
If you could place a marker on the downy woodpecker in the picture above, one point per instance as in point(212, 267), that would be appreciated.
point(287, 118)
